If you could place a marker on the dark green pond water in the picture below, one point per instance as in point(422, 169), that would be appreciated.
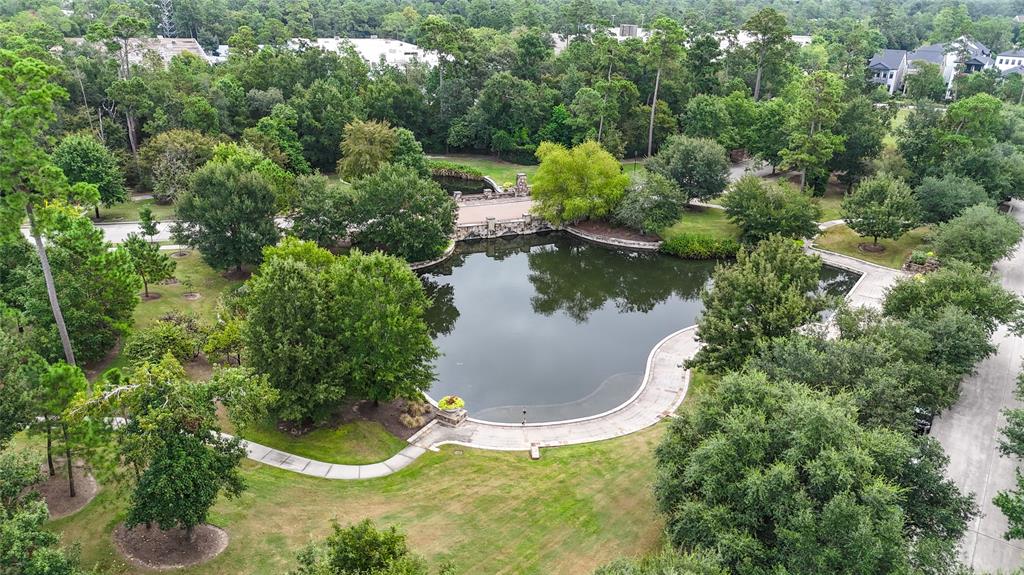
point(463, 185)
point(557, 326)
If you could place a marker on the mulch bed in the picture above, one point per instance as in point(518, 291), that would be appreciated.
point(55, 489)
point(192, 296)
point(871, 248)
point(385, 413)
point(607, 230)
point(152, 295)
point(237, 274)
point(154, 548)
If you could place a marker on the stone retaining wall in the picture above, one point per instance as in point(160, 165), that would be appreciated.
point(617, 242)
point(493, 228)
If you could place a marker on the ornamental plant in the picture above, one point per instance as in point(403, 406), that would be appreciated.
point(451, 403)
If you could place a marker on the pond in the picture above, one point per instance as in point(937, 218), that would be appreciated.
point(557, 326)
point(464, 185)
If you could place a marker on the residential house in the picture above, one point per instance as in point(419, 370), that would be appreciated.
point(372, 50)
point(889, 67)
point(1009, 60)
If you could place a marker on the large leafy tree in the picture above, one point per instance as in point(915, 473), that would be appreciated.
point(651, 205)
point(664, 47)
point(771, 43)
point(578, 183)
point(29, 179)
point(815, 103)
point(778, 478)
point(761, 209)
point(168, 160)
point(324, 328)
point(864, 126)
point(944, 198)
point(980, 235)
point(324, 211)
point(1011, 444)
point(698, 166)
point(365, 146)
point(97, 284)
point(228, 214)
point(767, 293)
point(403, 214)
point(881, 207)
point(362, 548)
point(83, 158)
point(927, 83)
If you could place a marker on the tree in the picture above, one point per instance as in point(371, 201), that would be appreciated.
point(364, 549)
point(881, 207)
point(279, 128)
point(792, 483)
point(399, 212)
point(95, 281)
point(28, 546)
point(699, 167)
point(578, 183)
point(770, 43)
point(228, 214)
point(651, 205)
point(323, 328)
point(951, 23)
point(816, 102)
point(28, 177)
point(147, 223)
point(980, 235)
point(366, 145)
point(864, 127)
point(942, 199)
point(961, 285)
point(152, 343)
point(83, 158)
point(16, 365)
point(664, 46)
point(768, 134)
point(149, 262)
point(1011, 444)
point(927, 83)
point(324, 211)
point(170, 158)
point(767, 293)
point(761, 209)
point(57, 386)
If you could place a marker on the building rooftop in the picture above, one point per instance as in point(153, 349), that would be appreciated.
point(1015, 53)
point(166, 48)
point(887, 59)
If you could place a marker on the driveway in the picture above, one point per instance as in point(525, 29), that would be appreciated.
point(969, 432)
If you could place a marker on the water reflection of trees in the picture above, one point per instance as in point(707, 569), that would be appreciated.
point(442, 313)
point(580, 278)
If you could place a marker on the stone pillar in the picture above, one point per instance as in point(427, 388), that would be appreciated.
point(457, 196)
point(490, 226)
point(521, 187)
point(527, 218)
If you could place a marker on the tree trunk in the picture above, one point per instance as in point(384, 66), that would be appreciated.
point(604, 104)
point(145, 286)
point(757, 79)
point(190, 533)
point(49, 447)
point(97, 208)
point(654, 106)
point(67, 456)
point(1020, 100)
point(131, 136)
point(51, 290)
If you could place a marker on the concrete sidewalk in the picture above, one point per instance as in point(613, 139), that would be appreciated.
point(969, 432)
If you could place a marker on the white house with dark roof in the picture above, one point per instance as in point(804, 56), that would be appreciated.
point(961, 55)
point(1010, 59)
point(889, 67)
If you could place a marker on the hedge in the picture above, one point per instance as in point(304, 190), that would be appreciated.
point(447, 169)
point(700, 247)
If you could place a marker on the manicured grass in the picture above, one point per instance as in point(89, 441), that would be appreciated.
point(499, 170)
point(490, 512)
point(209, 283)
point(843, 240)
point(354, 443)
point(831, 203)
point(709, 221)
point(129, 211)
point(897, 122)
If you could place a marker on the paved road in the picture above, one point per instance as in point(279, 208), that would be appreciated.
point(969, 432)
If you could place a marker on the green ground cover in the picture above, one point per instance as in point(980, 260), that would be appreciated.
point(498, 170)
point(708, 221)
point(129, 211)
point(354, 443)
point(843, 240)
point(206, 281)
point(489, 512)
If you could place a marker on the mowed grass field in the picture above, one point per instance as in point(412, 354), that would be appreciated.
point(700, 220)
point(843, 240)
point(489, 512)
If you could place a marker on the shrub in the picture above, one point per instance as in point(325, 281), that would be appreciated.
point(411, 421)
point(417, 407)
point(979, 235)
point(152, 343)
point(651, 205)
point(700, 247)
point(451, 402)
point(918, 257)
point(454, 170)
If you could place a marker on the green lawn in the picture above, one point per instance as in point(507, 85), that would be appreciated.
point(355, 443)
point(897, 122)
point(129, 211)
point(490, 512)
point(499, 170)
point(209, 283)
point(831, 203)
point(843, 240)
point(710, 221)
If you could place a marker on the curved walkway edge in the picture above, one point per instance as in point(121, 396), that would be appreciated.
point(282, 460)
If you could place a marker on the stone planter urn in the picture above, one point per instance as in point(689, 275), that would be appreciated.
point(451, 410)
